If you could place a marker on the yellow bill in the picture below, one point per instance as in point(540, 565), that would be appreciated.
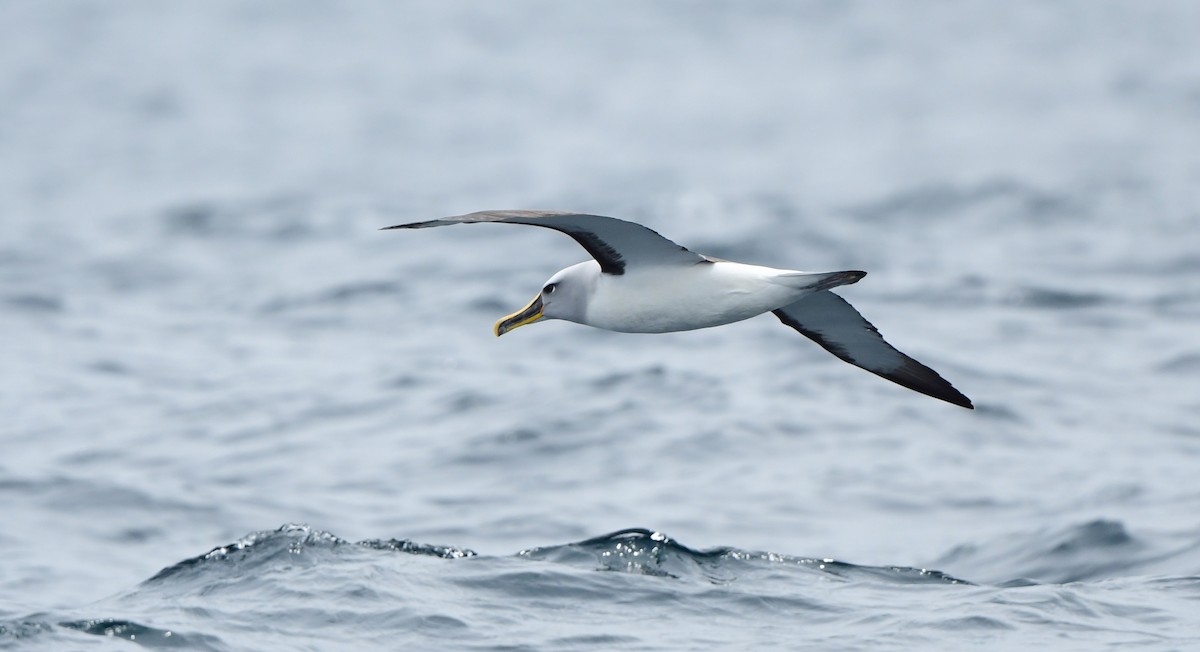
point(526, 315)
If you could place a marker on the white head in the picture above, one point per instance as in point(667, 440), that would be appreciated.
point(564, 296)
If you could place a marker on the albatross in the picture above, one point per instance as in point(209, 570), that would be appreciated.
point(640, 282)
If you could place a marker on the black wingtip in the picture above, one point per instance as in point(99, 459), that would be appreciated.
point(960, 401)
point(417, 225)
point(920, 378)
point(944, 392)
point(948, 393)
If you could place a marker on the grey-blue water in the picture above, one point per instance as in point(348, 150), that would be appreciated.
point(236, 416)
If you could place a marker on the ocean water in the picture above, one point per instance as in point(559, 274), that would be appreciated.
point(237, 416)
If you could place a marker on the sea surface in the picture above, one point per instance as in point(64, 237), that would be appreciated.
point(238, 416)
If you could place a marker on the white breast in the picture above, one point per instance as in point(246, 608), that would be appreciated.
point(678, 298)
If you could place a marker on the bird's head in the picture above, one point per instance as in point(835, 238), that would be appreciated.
point(564, 296)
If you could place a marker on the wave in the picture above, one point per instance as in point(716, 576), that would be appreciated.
point(1096, 550)
point(297, 560)
point(643, 552)
point(261, 550)
point(297, 586)
point(634, 550)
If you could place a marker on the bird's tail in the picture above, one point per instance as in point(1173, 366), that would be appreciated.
point(817, 281)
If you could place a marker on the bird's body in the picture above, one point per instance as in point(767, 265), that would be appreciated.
point(641, 282)
point(670, 298)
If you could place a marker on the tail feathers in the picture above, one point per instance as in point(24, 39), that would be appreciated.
point(817, 281)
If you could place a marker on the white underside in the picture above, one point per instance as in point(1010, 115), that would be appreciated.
point(678, 298)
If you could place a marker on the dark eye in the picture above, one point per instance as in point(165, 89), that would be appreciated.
point(549, 289)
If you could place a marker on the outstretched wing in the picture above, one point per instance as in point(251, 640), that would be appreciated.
point(830, 321)
point(614, 243)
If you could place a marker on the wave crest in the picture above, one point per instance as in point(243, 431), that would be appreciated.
point(645, 552)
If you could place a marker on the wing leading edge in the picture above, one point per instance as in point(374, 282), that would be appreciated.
point(614, 243)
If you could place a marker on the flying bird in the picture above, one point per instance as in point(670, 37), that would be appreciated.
point(641, 282)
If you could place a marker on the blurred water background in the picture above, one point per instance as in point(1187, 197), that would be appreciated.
point(206, 342)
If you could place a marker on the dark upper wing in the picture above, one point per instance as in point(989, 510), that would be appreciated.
point(613, 243)
point(833, 323)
